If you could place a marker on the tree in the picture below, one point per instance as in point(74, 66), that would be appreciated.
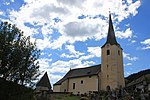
point(18, 55)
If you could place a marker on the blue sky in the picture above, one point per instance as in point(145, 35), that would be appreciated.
point(70, 33)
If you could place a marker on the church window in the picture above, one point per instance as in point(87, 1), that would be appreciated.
point(108, 52)
point(107, 67)
point(107, 76)
point(107, 45)
point(118, 52)
point(81, 81)
point(74, 85)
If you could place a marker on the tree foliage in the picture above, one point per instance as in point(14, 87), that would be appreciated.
point(18, 55)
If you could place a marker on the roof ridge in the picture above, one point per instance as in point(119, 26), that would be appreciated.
point(86, 67)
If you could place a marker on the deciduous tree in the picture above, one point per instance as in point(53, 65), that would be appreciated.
point(18, 55)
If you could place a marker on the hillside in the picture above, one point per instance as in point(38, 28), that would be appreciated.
point(134, 76)
point(12, 91)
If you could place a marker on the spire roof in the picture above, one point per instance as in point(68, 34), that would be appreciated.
point(44, 81)
point(111, 39)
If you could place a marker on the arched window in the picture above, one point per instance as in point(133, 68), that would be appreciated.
point(81, 81)
point(108, 88)
point(108, 52)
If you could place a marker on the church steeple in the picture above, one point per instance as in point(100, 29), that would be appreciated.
point(112, 71)
point(111, 39)
point(111, 34)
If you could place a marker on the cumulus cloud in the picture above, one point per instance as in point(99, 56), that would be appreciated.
point(43, 43)
point(44, 63)
point(128, 64)
point(72, 52)
point(128, 57)
point(1, 13)
point(12, 0)
point(82, 61)
point(48, 11)
point(95, 51)
point(43, 13)
point(72, 2)
point(128, 73)
point(76, 29)
point(124, 34)
point(54, 77)
point(146, 43)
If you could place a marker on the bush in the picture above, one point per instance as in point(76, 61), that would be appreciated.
point(12, 91)
point(84, 98)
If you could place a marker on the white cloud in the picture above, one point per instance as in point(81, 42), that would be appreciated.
point(95, 51)
point(49, 11)
point(59, 69)
point(75, 29)
point(72, 52)
point(133, 6)
point(72, 29)
point(126, 34)
point(146, 43)
point(128, 57)
point(6, 3)
point(43, 43)
point(12, 0)
point(83, 29)
point(54, 77)
point(1, 13)
point(74, 3)
point(67, 55)
point(128, 64)
point(42, 53)
point(44, 63)
point(127, 74)
point(86, 57)
point(63, 66)
point(71, 48)
point(58, 42)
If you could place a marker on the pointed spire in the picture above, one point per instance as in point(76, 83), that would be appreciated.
point(111, 34)
point(111, 39)
point(44, 82)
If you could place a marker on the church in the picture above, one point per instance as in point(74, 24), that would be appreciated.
point(108, 74)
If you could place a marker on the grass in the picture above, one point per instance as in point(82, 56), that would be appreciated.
point(67, 98)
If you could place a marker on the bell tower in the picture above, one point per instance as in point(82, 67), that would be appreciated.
point(112, 71)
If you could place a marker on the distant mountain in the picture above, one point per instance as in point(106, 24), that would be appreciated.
point(135, 76)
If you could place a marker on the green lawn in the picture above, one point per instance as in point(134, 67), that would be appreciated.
point(67, 98)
